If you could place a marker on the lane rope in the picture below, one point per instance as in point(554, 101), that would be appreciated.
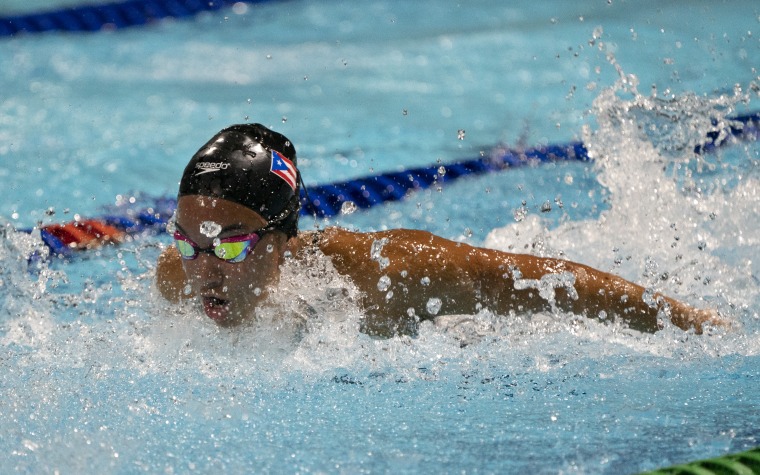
point(122, 222)
point(110, 16)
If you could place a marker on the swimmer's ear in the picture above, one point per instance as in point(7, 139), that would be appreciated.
point(170, 276)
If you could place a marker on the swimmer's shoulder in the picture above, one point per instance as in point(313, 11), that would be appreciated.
point(341, 242)
point(328, 240)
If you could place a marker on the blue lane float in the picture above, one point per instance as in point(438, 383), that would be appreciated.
point(124, 221)
point(91, 18)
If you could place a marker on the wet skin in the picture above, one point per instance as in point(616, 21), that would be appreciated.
point(228, 291)
point(419, 266)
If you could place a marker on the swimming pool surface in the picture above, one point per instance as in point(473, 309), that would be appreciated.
point(99, 375)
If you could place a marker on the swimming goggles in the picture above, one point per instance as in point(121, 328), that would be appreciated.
point(231, 249)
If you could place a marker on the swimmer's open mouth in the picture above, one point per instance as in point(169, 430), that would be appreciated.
point(217, 309)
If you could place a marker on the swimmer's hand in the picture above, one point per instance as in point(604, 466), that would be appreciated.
point(170, 276)
point(686, 317)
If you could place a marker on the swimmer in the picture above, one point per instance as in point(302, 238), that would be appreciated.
point(237, 220)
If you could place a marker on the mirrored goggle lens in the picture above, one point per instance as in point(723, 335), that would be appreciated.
point(232, 251)
point(185, 249)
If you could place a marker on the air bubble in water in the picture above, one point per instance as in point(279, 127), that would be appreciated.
point(383, 283)
point(347, 207)
point(434, 305)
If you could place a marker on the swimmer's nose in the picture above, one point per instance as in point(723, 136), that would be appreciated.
point(205, 271)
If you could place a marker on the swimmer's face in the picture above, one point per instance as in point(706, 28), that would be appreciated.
point(229, 291)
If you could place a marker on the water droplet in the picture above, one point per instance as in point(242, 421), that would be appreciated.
point(389, 296)
point(210, 229)
point(425, 281)
point(441, 170)
point(187, 290)
point(546, 207)
point(270, 248)
point(405, 112)
point(520, 213)
point(257, 291)
point(434, 305)
point(460, 134)
point(375, 253)
point(216, 242)
point(383, 283)
point(284, 119)
point(648, 298)
point(348, 207)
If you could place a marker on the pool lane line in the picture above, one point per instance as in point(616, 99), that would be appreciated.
point(328, 200)
point(742, 463)
point(366, 192)
point(110, 16)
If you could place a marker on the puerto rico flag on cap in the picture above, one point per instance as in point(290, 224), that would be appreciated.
point(284, 168)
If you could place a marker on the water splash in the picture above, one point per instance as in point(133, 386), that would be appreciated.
point(684, 229)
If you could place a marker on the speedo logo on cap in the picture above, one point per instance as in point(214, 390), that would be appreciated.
point(209, 167)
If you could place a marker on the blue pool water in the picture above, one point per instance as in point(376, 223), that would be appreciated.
point(100, 375)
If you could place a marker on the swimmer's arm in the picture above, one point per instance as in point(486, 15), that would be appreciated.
point(597, 292)
point(424, 268)
point(170, 276)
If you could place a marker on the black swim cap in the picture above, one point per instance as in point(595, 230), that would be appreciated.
point(252, 166)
